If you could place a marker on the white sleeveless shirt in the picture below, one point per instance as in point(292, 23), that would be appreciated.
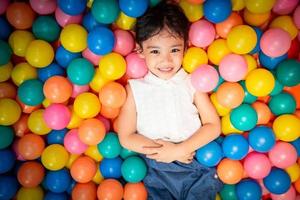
point(165, 108)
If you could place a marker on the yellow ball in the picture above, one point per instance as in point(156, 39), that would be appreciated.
point(92, 152)
point(75, 120)
point(237, 5)
point(125, 22)
point(39, 53)
point(217, 50)
point(193, 12)
point(98, 81)
point(19, 41)
point(73, 38)
point(287, 127)
point(5, 71)
point(22, 72)
point(46, 103)
point(98, 178)
point(72, 158)
point(112, 66)
point(222, 111)
point(35, 193)
point(37, 124)
point(227, 127)
point(55, 157)
point(10, 111)
point(87, 105)
point(260, 82)
point(218, 197)
point(259, 6)
point(251, 62)
point(286, 23)
point(256, 19)
point(194, 57)
point(241, 39)
point(294, 172)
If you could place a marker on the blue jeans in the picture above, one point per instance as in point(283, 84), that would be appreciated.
point(176, 180)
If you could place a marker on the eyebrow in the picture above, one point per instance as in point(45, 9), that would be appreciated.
point(157, 47)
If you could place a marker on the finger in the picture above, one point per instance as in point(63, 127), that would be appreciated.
point(151, 150)
point(152, 156)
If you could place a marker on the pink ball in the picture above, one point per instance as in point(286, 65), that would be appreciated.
point(15, 149)
point(202, 33)
point(64, 19)
point(57, 116)
point(89, 55)
point(283, 155)
point(43, 7)
point(136, 66)
point(284, 7)
point(289, 195)
point(73, 144)
point(205, 78)
point(257, 165)
point(296, 18)
point(275, 42)
point(105, 121)
point(233, 67)
point(124, 42)
point(78, 89)
point(3, 6)
point(262, 186)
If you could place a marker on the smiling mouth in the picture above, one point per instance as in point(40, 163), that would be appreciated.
point(165, 69)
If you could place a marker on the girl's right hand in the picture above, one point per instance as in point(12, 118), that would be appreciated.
point(187, 159)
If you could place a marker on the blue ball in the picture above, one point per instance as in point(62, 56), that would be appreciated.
point(8, 187)
point(49, 71)
point(259, 33)
point(209, 155)
point(31, 92)
point(56, 196)
point(101, 40)
point(296, 144)
point(56, 136)
point(71, 186)
point(5, 28)
point(235, 146)
point(270, 62)
point(111, 167)
point(278, 181)
point(262, 139)
point(217, 11)
point(89, 22)
point(134, 8)
point(248, 190)
point(72, 7)
point(7, 160)
point(58, 181)
point(63, 57)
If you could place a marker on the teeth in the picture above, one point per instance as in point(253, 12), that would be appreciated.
point(165, 69)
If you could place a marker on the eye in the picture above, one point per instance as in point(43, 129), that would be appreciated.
point(154, 51)
point(175, 50)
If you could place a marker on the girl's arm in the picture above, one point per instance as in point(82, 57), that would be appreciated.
point(211, 125)
point(126, 129)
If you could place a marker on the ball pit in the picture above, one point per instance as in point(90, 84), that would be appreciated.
point(64, 65)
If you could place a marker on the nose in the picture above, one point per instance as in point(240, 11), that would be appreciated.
point(168, 57)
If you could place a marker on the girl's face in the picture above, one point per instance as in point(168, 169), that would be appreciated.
point(163, 54)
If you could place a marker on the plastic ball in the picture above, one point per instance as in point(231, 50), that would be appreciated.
point(110, 146)
point(57, 89)
point(217, 50)
point(235, 146)
point(133, 8)
point(73, 38)
point(294, 172)
point(205, 78)
point(296, 16)
point(5, 27)
point(263, 112)
point(217, 11)
point(7, 136)
point(222, 110)
point(110, 189)
point(133, 169)
point(22, 72)
point(5, 72)
point(8, 186)
point(87, 105)
point(288, 72)
point(193, 12)
point(112, 66)
point(105, 12)
point(136, 66)
point(270, 62)
point(135, 191)
point(259, 33)
point(259, 6)
point(287, 127)
point(20, 15)
point(54, 157)
point(84, 191)
point(73, 144)
point(124, 42)
point(283, 7)
point(46, 28)
point(194, 57)
point(223, 28)
point(125, 22)
point(10, 111)
point(256, 19)
point(243, 117)
point(257, 165)
point(278, 181)
point(80, 71)
point(101, 40)
point(7, 160)
point(5, 52)
point(233, 67)
point(83, 169)
point(55, 196)
point(56, 136)
point(89, 22)
point(91, 131)
point(261, 139)
point(19, 41)
point(43, 7)
point(289, 195)
point(49, 71)
point(111, 167)
point(286, 23)
point(57, 116)
point(37, 124)
point(283, 155)
point(30, 174)
point(31, 146)
point(112, 95)
point(64, 57)
point(230, 171)
point(72, 7)
point(230, 95)
point(228, 192)
point(125, 153)
point(209, 155)
point(63, 19)
point(30, 92)
point(248, 190)
point(282, 103)
point(202, 33)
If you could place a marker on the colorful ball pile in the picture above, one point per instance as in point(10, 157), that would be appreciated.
point(63, 67)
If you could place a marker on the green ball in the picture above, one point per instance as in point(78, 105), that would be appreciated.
point(110, 146)
point(277, 88)
point(46, 28)
point(134, 169)
point(228, 192)
point(244, 117)
point(283, 103)
point(5, 53)
point(80, 71)
point(248, 98)
point(154, 2)
point(30, 92)
point(104, 11)
point(288, 72)
point(7, 136)
point(126, 153)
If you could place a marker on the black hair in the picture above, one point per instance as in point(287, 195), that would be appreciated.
point(164, 15)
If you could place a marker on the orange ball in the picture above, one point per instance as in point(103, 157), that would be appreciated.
point(91, 131)
point(57, 89)
point(264, 113)
point(21, 127)
point(295, 92)
point(135, 191)
point(31, 174)
point(230, 95)
point(297, 185)
point(224, 27)
point(113, 95)
point(7, 90)
point(109, 113)
point(20, 15)
point(84, 191)
point(26, 108)
point(110, 189)
point(230, 171)
point(31, 146)
point(83, 169)
point(195, 1)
